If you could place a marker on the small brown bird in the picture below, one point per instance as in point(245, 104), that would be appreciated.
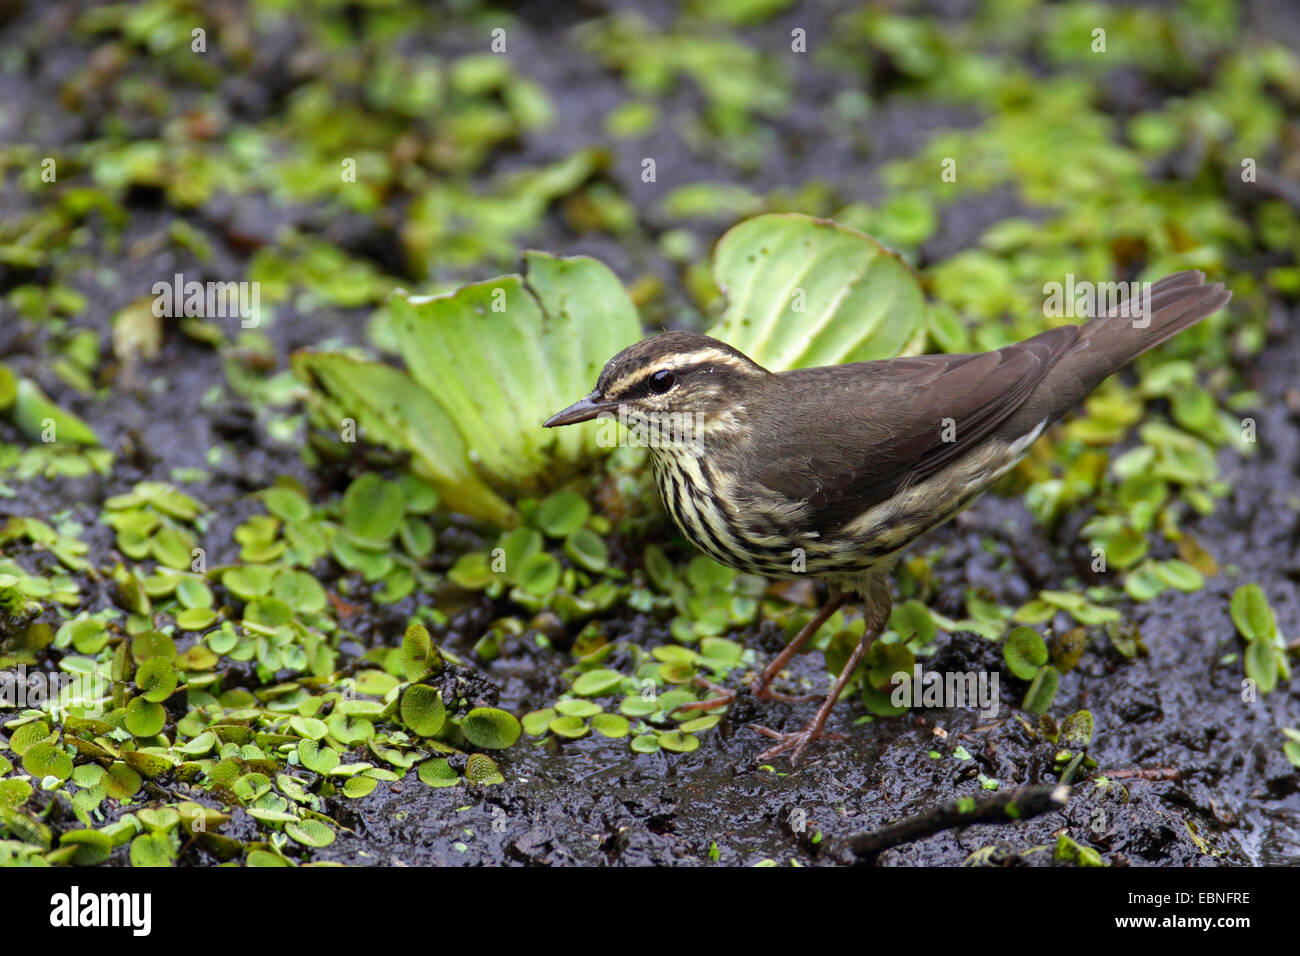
point(832, 471)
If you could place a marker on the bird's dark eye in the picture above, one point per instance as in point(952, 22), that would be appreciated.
point(661, 381)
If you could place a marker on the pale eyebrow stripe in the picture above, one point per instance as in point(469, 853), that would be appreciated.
point(699, 357)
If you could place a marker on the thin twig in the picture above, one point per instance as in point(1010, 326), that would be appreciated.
point(1011, 806)
point(1143, 773)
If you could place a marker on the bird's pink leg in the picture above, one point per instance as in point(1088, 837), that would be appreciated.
point(760, 686)
point(877, 606)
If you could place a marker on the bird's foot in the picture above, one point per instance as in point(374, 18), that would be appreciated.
point(797, 742)
point(725, 697)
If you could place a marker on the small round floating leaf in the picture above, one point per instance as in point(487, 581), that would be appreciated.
point(706, 722)
point(597, 683)
point(162, 819)
point(200, 745)
point(149, 644)
point(516, 547)
point(145, 718)
point(721, 653)
point(1261, 664)
point(287, 504)
point(539, 574)
point(562, 513)
point(349, 729)
point(28, 735)
point(1042, 690)
point(678, 742)
point(1124, 548)
point(196, 619)
point(912, 620)
point(317, 758)
point(482, 770)
point(472, 571)
point(251, 786)
point(89, 636)
point(437, 773)
point(93, 847)
point(300, 591)
point(222, 641)
point(677, 672)
point(151, 850)
point(886, 660)
point(587, 550)
point(422, 710)
point(46, 760)
point(421, 497)
point(265, 858)
point(610, 725)
point(248, 582)
point(1025, 652)
point(156, 679)
point(311, 833)
point(121, 782)
point(490, 728)
point(417, 537)
point(193, 593)
point(645, 743)
point(373, 508)
point(268, 612)
point(358, 787)
point(1251, 613)
point(572, 707)
point(172, 548)
point(670, 701)
point(310, 727)
point(635, 706)
point(570, 726)
point(534, 722)
point(14, 793)
point(418, 655)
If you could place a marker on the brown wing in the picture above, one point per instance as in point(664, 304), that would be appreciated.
point(866, 429)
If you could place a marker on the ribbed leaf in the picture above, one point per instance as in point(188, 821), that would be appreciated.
point(803, 292)
point(393, 411)
point(501, 356)
point(487, 364)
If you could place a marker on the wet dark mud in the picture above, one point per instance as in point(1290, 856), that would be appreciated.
point(1200, 774)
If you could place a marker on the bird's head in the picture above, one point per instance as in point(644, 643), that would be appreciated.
point(676, 381)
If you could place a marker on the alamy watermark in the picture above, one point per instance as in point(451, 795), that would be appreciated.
point(53, 691)
point(1084, 300)
point(949, 689)
point(208, 300)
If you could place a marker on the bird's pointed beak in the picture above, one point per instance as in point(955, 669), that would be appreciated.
point(583, 410)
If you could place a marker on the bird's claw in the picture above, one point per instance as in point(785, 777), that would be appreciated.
point(766, 693)
point(798, 742)
point(726, 697)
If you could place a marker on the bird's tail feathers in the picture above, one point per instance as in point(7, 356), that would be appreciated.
point(1155, 315)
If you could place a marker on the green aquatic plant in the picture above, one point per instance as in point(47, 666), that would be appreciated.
point(1266, 648)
